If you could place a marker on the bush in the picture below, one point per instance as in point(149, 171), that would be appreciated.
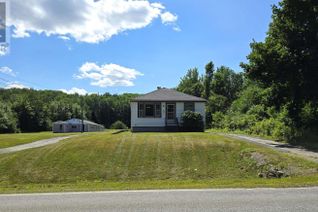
point(217, 120)
point(118, 125)
point(192, 122)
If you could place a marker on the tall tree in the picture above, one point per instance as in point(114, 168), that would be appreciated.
point(287, 60)
point(7, 119)
point(191, 83)
point(209, 69)
point(227, 83)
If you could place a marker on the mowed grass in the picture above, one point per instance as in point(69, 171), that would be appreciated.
point(105, 161)
point(8, 140)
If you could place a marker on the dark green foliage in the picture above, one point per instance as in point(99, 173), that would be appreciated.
point(35, 110)
point(287, 61)
point(217, 103)
point(7, 119)
point(227, 83)
point(253, 113)
point(191, 83)
point(192, 121)
point(118, 125)
point(209, 70)
point(219, 87)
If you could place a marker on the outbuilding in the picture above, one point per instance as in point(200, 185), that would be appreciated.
point(76, 125)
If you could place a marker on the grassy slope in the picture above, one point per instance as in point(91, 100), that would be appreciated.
point(99, 161)
point(8, 140)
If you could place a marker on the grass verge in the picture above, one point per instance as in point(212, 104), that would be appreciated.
point(106, 161)
point(303, 181)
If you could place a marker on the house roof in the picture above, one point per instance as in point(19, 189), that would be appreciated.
point(165, 94)
point(76, 121)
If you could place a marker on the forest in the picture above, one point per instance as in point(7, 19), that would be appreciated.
point(28, 110)
point(275, 95)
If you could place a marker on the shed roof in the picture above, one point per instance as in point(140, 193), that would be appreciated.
point(76, 121)
point(165, 94)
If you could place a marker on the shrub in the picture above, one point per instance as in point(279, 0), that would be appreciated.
point(273, 127)
point(258, 111)
point(192, 121)
point(118, 125)
point(217, 120)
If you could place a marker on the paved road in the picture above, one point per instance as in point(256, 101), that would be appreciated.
point(34, 144)
point(279, 146)
point(292, 199)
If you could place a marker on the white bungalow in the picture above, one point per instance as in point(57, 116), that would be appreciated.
point(161, 109)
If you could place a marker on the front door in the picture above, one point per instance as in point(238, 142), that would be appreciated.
point(171, 111)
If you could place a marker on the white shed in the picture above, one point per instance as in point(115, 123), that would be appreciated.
point(76, 125)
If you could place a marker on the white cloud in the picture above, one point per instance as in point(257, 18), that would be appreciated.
point(7, 70)
point(84, 20)
point(15, 85)
point(176, 28)
point(168, 17)
point(74, 90)
point(63, 37)
point(108, 75)
point(158, 5)
point(2, 52)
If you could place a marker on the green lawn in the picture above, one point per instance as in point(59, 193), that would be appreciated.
point(8, 140)
point(105, 161)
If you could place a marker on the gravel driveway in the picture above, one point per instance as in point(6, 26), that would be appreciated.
point(34, 144)
point(283, 147)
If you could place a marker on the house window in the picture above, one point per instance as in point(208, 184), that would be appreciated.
point(158, 110)
point(141, 110)
point(189, 106)
point(149, 110)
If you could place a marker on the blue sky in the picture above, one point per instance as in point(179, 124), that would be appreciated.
point(145, 53)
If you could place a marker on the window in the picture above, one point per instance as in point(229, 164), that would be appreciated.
point(189, 106)
point(149, 110)
point(158, 110)
point(141, 110)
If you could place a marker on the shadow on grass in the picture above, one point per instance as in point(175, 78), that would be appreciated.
point(120, 131)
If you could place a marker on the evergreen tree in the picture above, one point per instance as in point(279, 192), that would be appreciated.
point(209, 69)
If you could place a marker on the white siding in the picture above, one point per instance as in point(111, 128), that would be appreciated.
point(179, 110)
point(147, 122)
point(160, 122)
point(200, 108)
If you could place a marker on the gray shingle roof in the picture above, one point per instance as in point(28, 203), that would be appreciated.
point(76, 121)
point(165, 94)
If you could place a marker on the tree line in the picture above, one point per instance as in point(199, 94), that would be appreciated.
point(27, 110)
point(276, 94)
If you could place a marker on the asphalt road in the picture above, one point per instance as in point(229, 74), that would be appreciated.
point(291, 199)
